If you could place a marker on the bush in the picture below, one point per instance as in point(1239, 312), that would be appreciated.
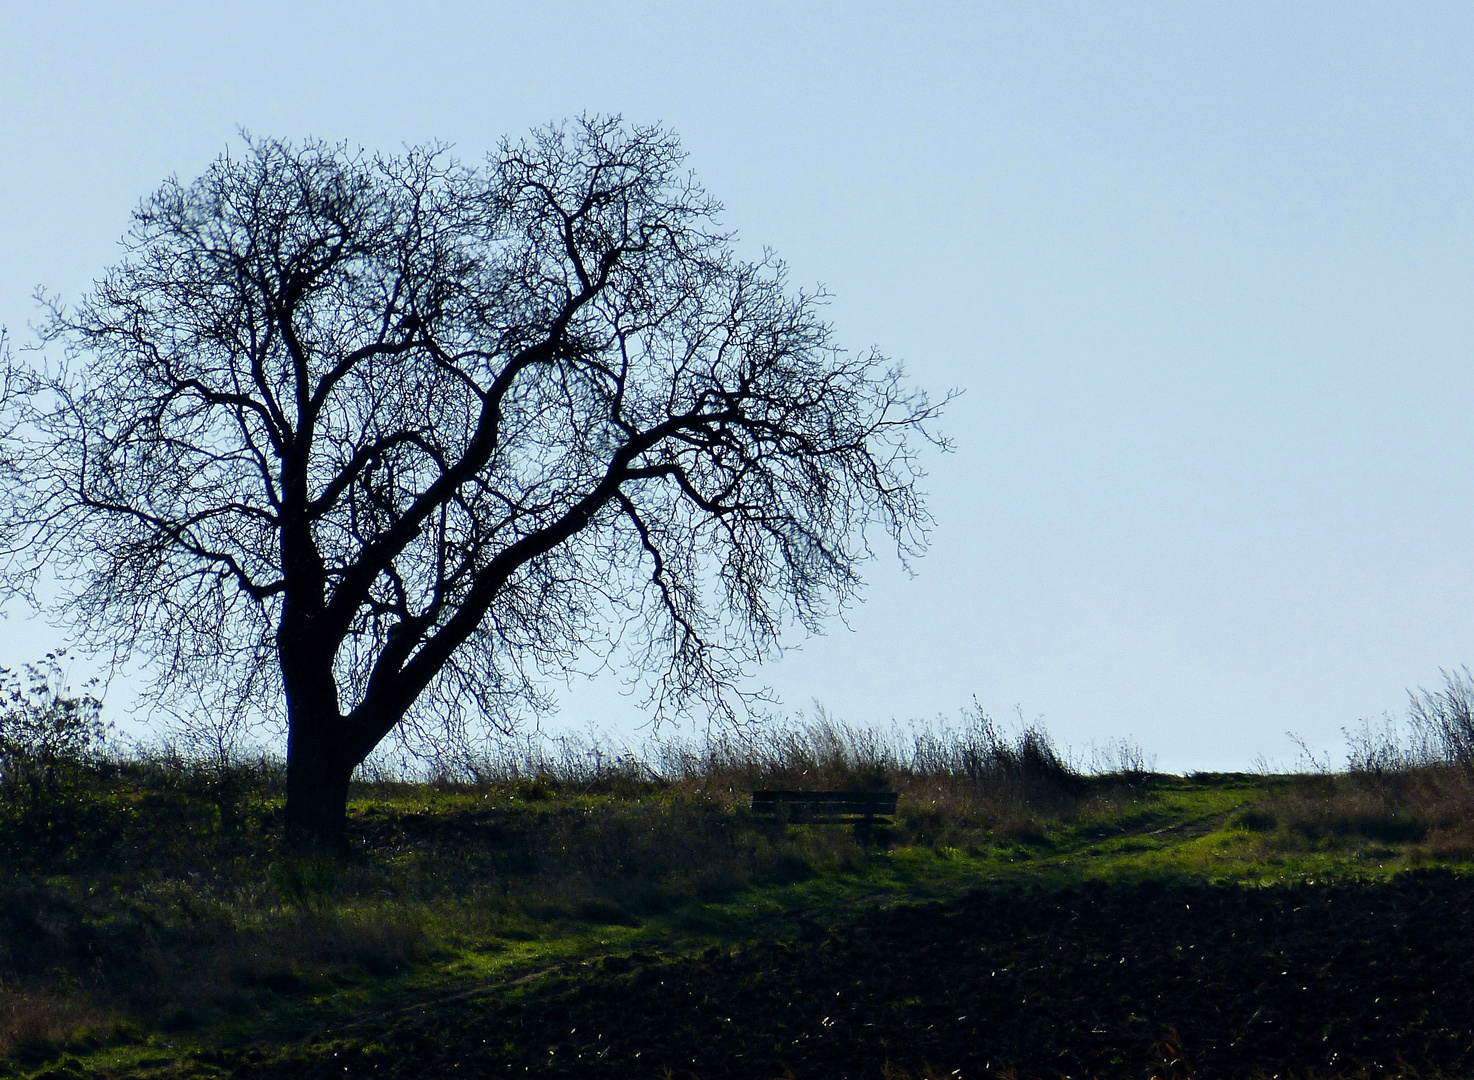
point(46, 733)
point(50, 745)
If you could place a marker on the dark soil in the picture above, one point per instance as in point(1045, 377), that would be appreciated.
point(1131, 981)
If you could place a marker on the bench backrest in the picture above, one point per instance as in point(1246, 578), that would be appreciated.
point(839, 805)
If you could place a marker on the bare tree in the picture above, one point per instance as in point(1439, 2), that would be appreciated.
point(394, 439)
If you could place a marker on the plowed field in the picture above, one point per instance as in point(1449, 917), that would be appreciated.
point(1108, 980)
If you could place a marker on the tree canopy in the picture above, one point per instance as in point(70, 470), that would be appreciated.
point(393, 438)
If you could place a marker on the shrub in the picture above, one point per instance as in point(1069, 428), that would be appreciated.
point(50, 744)
point(46, 732)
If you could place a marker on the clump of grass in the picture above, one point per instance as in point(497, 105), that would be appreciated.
point(1443, 720)
point(1408, 786)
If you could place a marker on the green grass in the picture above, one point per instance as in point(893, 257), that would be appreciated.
point(166, 936)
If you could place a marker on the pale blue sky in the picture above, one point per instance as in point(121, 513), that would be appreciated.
point(1204, 271)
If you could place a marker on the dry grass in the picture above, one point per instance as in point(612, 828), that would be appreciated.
point(151, 887)
point(954, 779)
point(1408, 783)
point(34, 1022)
point(1427, 810)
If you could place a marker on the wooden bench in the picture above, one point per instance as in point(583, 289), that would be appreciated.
point(826, 807)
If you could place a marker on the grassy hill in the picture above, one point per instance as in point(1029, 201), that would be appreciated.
point(626, 918)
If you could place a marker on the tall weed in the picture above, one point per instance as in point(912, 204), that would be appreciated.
point(1445, 717)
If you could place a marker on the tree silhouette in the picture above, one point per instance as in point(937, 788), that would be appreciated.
point(396, 438)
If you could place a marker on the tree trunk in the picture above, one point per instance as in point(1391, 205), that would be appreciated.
point(317, 796)
point(319, 763)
